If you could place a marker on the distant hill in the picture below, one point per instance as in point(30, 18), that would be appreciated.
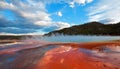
point(92, 28)
point(14, 37)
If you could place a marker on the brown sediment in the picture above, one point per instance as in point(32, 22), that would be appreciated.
point(73, 59)
point(46, 55)
point(8, 41)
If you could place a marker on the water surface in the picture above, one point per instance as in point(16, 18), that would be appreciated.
point(79, 38)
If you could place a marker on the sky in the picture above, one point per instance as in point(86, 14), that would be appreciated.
point(43, 16)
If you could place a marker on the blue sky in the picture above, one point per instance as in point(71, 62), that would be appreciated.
point(42, 16)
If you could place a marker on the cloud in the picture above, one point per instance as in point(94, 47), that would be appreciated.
point(80, 2)
point(16, 27)
point(16, 30)
point(70, 2)
point(60, 14)
point(5, 5)
point(56, 26)
point(72, 5)
point(29, 16)
point(105, 10)
point(61, 25)
point(30, 10)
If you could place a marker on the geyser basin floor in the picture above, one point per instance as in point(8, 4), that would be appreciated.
point(41, 55)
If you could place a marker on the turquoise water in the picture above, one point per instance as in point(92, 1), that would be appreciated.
point(80, 38)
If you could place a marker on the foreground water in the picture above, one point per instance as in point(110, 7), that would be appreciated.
point(79, 38)
point(83, 52)
point(35, 54)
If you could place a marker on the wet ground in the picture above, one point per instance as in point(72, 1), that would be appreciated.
point(45, 55)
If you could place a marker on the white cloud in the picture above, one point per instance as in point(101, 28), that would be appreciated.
point(58, 25)
point(6, 5)
point(89, 1)
point(43, 23)
point(83, 2)
point(62, 25)
point(32, 11)
point(36, 13)
point(37, 16)
point(80, 1)
point(96, 17)
point(105, 10)
point(60, 14)
point(72, 4)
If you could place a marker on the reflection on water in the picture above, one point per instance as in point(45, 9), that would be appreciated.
point(67, 57)
point(109, 49)
point(81, 38)
point(7, 44)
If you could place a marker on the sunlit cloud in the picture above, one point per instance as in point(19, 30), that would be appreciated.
point(80, 2)
point(30, 16)
point(60, 14)
point(105, 10)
